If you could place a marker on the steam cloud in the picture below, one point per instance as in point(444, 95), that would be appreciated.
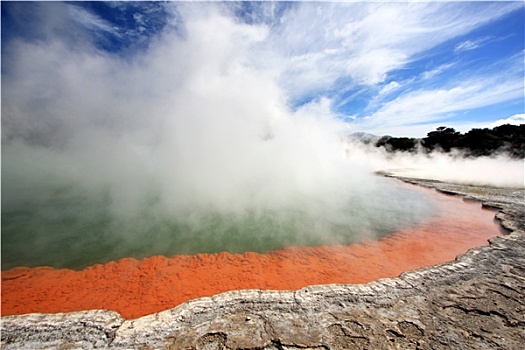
point(496, 170)
point(188, 129)
point(189, 117)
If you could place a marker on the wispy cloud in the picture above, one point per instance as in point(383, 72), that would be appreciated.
point(308, 51)
point(92, 21)
point(436, 71)
point(467, 45)
point(364, 41)
point(390, 87)
point(426, 106)
point(473, 44)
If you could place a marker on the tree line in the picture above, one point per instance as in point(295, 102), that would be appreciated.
point(509, 139)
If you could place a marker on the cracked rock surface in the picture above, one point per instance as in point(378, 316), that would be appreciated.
point(474, 302)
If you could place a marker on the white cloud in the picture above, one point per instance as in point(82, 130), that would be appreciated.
point(91, 21)
point(389, 88)
point(468, 45)
point(316, 46)
point(436, 71)
point(424, 107)
point(515, 119)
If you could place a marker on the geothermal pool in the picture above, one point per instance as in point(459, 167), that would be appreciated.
point(69, 229)
point(434, 228)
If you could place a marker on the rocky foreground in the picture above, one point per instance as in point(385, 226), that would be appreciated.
point(474, 302)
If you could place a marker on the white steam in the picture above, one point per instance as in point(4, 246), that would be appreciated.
point(189, 122)
point(192, 119)
point(496, 170)
point(189, 127)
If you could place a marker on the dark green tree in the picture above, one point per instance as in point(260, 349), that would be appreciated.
point(479, 142)
point(509, 139)
point(404, 144)
point(513, 138)
point(443, 137)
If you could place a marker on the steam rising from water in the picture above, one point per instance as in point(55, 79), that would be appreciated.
point(183, 149)
point(496, 170)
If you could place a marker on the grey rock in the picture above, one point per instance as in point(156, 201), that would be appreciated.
point(94, 329)
point(474, 302)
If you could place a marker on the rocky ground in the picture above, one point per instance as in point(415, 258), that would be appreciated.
point(474, 302)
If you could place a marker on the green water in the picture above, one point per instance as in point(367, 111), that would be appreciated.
point(68, 229)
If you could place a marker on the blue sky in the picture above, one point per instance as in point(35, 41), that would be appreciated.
point(401, 69)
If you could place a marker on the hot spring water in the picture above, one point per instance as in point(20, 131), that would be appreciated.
point(73, 229)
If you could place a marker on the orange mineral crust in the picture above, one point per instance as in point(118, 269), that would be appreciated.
point(136, 288)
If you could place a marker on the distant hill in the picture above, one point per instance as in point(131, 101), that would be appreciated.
point(364, 137)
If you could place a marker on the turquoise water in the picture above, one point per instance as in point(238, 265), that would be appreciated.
point(72, 229)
